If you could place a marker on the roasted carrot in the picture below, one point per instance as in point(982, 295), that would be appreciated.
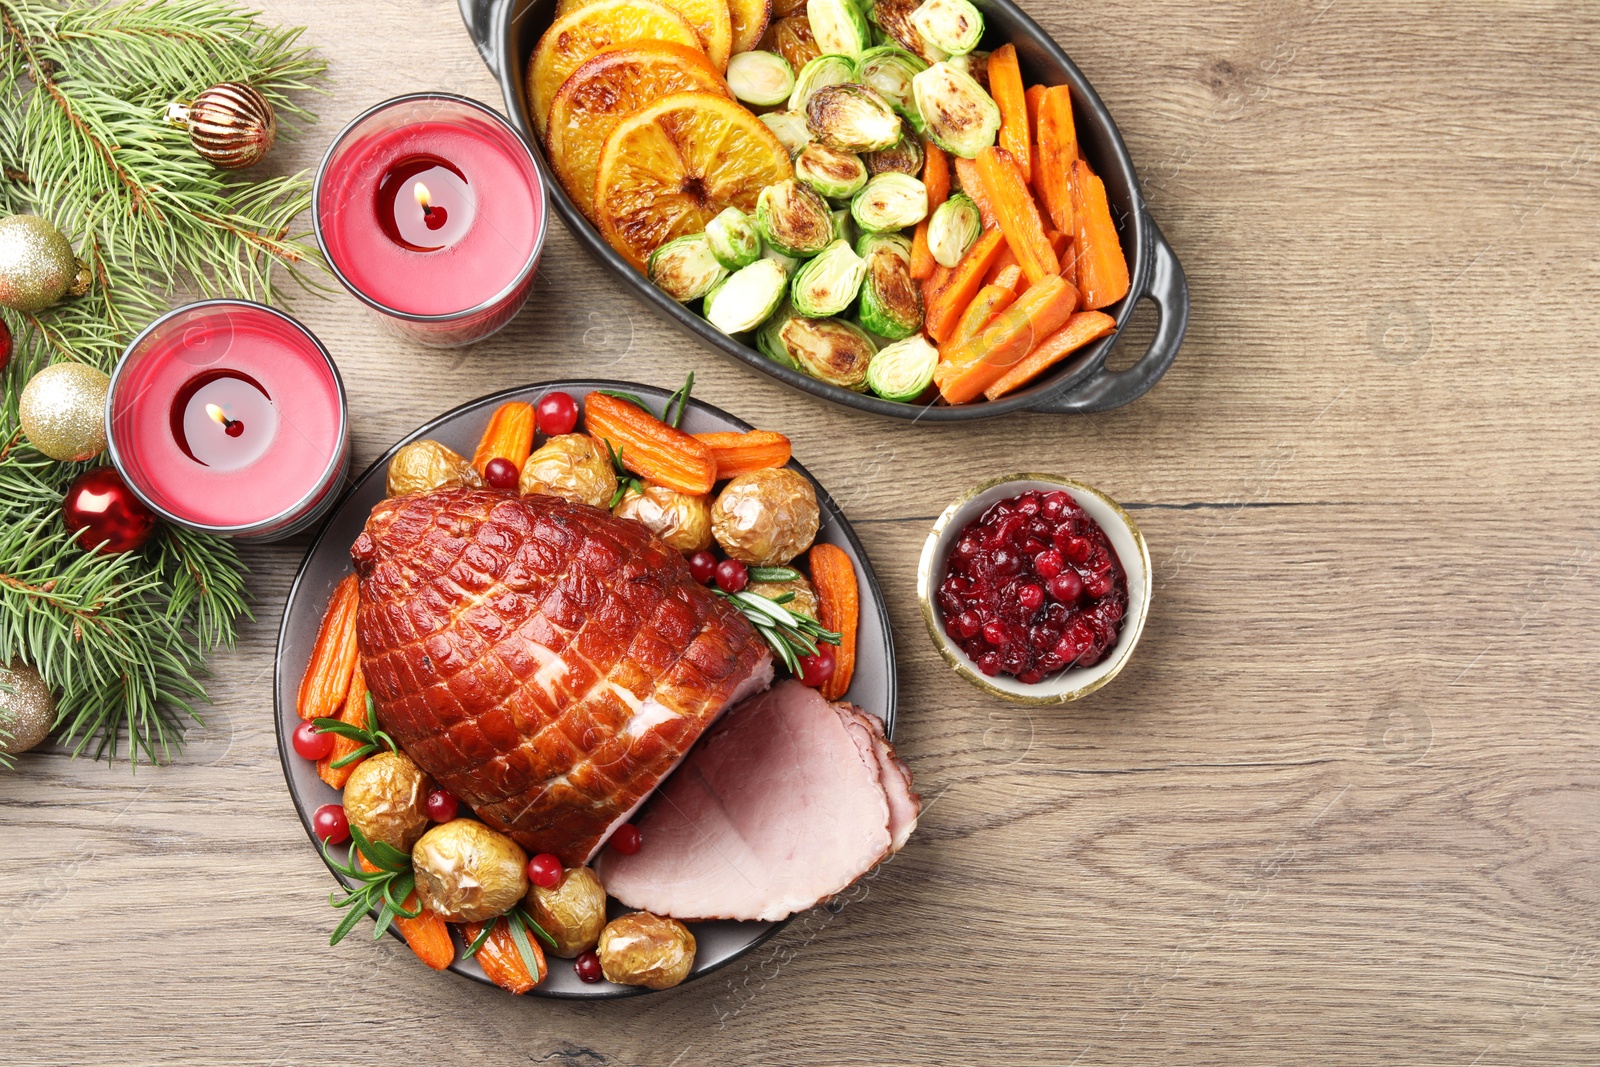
point(1009, 278)
point(649, 447)
point(1058, 150)
point(354, 712)
point(922, 261)
point(966, 370)
point(1102, 270)
point(1005, 85)
point(990, 301)
point(1018, 214)
point(741, 453)
point(1031, 99)
point(945, 308)
point(501, 962)
point(333, 656)
point(509, 435)
point(1082, 328)
point(427, 934)
point(972, 185)
point(839, 603)
point(935, 173)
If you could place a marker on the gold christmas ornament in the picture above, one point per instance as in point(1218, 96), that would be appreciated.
point(37, 267)
point(231, 124)
point(27, 709)
point(63, 411)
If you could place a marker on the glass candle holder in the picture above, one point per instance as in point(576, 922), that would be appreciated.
point(430, 209)
point(229, 417)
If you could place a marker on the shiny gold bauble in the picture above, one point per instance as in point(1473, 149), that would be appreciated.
point(231, 125)
point(63, 410)
point(37, 267)
point(27, 709)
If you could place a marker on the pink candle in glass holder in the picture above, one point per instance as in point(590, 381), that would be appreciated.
point(229, 417)
point(429, 208)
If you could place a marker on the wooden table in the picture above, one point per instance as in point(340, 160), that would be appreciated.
point(1342, 806)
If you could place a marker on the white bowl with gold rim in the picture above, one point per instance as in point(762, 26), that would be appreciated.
point(1120, 530)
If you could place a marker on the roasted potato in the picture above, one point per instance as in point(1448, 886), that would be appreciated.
point(423, 466)
point(766, 518)
point(573, 913)
point(386, 798)
point(570, 466)
point(644, 949)
point(805, 597)
point(467, 872)
point(681, 520)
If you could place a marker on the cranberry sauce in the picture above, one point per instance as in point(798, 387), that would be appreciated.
point(1033, 587)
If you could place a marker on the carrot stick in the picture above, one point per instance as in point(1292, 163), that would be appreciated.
point(839, 605)
point(967, 370)
point(1102, 270)
point(1058, 150)
point(972, 185)
point(649, 447)
point(1018, 214)
point(922, 261)
point(509, 435)
point(935, 174)
point(1082, 328)
point(333, 656)
point(1031, 99)
point(741, 453)
point(354, 712)
point(990, 301)
point(1005, 85)
point(427, 934)
point(501, 962)
point(945, 308)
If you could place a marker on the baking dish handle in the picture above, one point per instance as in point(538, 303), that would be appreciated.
point(1108, 389)
point(479, 15)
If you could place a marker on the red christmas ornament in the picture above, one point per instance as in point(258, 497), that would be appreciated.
point(100, 503)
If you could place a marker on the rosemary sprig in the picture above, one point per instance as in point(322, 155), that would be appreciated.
point(385, 889)
point(677, 403)
point(370, 737)
point(789, 634)
point(633, 398)
point(625, 480)
point(520, 924)
point(773, 574)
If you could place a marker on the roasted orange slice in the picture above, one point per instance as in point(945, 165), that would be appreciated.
point(591, 29)
point(711, 19)
point(750, 18)
point(607, 89)
point(668, 169)
point(791, 38)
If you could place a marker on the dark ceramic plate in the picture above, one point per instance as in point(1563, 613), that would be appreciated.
point(507, 31)
point(328, 560)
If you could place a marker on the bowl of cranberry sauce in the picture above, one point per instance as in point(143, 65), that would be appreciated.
point(1035, 588)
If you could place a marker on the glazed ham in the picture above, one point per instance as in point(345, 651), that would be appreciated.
point(784, 803)
point(545, 662)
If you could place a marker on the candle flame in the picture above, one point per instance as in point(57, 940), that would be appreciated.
point(217, 414)
point(424, 201)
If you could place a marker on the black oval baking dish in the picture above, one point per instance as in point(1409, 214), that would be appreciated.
point(506, 32)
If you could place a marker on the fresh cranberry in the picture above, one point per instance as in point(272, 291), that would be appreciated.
point(311, 743)
point(967, 623)
point(1030, 596)
point(732, 576)
point(627, 839)
point(1076, 549)
point(989, 663)
point(588, 968)
point(703, 566)
point(1098, 586)
point(544, 870)
point(330, 824)
point(815, 670)
point(1047, 564)
point(1067, 587)
point(996, 633)
point(1054, 505)
point(500, 473)
point(557, 413)
point(442, 805)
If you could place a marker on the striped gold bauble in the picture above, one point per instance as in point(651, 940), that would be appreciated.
point(231, 124)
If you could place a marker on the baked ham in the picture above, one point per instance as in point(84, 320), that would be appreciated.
point(545, 662)
point(784, 803)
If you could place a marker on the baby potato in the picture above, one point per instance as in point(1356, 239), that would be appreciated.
point(766, 518)
point(644, 949)
point(423, 466)
point(386, 798)
point(805, 597)
point(574, 912)
point(681, 520)
point(467, 872)
point(570, 466)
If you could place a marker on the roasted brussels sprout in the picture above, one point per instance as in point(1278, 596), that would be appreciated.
point(827, 284)
point(766, 518)
point(839, 27)
point(685, 268)
point(891, 301)
point(423, 466)
point(829, 172)
point(902, 371)
point(467, 872)
point(644, 949)
point(953, 229)
point(904, 156)
point(974, 65)
point(681, 520)
point(890, 201)
point(790, 128)
point(574, 912)
point(386, 798)
point(887, 70)
point(733, 238)
point(844, 227)
point(764, 79)
point(789, 264)
point(572, 467)
point(898, 243)
point(830, 350)
point(769, 339)
point(802, 597)
point(749, 295)
point(954, 26)
point(957, 113)
point(793, 219)
point(821, 72)
point(852, 118)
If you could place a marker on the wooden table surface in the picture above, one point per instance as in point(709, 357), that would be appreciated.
point(1342, 807)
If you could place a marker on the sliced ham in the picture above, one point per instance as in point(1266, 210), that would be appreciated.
point(784, 803)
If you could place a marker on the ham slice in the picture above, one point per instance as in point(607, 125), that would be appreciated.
point(784, 803)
